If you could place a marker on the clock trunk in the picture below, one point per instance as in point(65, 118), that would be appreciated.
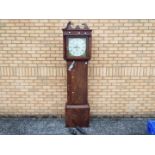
point(77, 83)
point(77, 109)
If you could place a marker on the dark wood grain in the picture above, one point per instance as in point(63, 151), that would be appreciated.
point(77, 115)
point(77, 107)
point(77, 83)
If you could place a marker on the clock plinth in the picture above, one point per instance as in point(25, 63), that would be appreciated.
point(77, 52)
point(77, 115)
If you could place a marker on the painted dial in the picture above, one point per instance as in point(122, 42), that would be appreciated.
point(77, 46)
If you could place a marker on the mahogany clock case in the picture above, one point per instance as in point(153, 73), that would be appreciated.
point(77, 108)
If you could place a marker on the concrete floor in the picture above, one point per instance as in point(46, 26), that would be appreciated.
point(56, 126)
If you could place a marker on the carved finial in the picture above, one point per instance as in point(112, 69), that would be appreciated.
point(77, 27)
point(69, 25)
point(85, 26)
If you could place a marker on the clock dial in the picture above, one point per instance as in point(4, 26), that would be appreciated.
point(77, 46)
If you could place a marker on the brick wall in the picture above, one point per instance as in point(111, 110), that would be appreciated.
point(121, 71)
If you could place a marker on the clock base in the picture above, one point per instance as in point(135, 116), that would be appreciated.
point(77, 115)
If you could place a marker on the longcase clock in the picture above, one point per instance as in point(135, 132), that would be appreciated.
point(77, 53)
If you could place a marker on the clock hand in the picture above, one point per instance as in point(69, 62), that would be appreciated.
point(76, 47)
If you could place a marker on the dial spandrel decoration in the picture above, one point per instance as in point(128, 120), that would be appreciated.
point(77, 46)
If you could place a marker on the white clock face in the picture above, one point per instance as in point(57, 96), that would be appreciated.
point(77, 46)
